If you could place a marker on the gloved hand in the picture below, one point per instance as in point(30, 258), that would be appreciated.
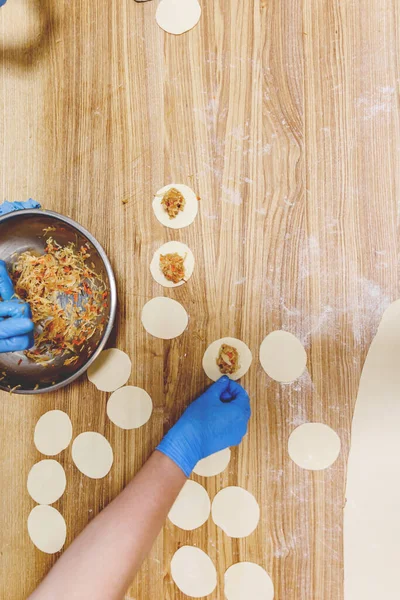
point(2, 2)
point(16, 326)
point(7, 207)
point(216, 420)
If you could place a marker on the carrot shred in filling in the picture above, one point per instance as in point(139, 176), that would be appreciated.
point(67, 299)
point(172, 267)
point(228, 360)
point(173, 202)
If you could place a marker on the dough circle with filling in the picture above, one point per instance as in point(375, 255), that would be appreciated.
point(47, 529)
point(46, 481)
point(236, 511)
point(164, 318)
point(211, 354)
point(92, 454)
point(191, 508)
point(184, 217)
point(314, 446)
point(172, 248)
point(129, 407)
point(282, 356)
point(111, 370)
point(53, 432)
point(193, 572)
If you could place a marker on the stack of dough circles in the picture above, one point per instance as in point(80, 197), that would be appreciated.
point(211, 354)
point(53, 432)
point(282, 356)
point(129, 407)
point(111, 370)
point(47, 529)
point(246, 580)
point(213, 464)
point(235, 511)
point(46, 481)
point(193, 572)
point(164, 318)
point(188, 214)
point(172, 248)
point(178, 16)
point(191, 508)
point(92, 454)
point(314, 446)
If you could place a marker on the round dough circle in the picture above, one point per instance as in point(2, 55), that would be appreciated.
point(191, 508)
point(247, 580)
point(53, 432)
point(111, 370)
point(185, 217)
point(164, 318)
point(193, 572)
point(314, 446)
point(46, 481)
point(178, 16)
point(211, 354)
point(214, 464)
point(129, 407)
point(47, 529)
point(282, 356)
point(236, 511)
point(171, 248)
point(92, 454)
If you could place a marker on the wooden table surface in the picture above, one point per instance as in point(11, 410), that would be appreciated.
point(283, 117)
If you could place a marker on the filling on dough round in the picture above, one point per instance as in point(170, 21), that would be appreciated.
point(213, 464)
point(165, 267)
point(314, 446)
point(245, 580)
point(216, 361)
point(47, 529)
point(282, 356)
point(191, 508)
point(193, 572)
point(129, 407)
point(92, 454)
point(178, 16)
point(46, 481)
point(164, 318)
point(184, 216)
point(236, 511)
point(111, 370)
point(53, 432)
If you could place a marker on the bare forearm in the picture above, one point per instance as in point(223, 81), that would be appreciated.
point(103, 560)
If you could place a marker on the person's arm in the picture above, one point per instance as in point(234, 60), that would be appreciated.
point(103, 560)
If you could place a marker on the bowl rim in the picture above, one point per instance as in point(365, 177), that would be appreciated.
point(113, 295)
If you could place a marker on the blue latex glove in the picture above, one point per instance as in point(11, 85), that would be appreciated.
point(2, 2)
point(8, 207)
point(216, 420)
point(16, 326)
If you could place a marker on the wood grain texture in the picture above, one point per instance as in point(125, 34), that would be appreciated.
point(283, 116)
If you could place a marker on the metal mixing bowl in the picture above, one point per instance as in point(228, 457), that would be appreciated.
point(24, 230)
